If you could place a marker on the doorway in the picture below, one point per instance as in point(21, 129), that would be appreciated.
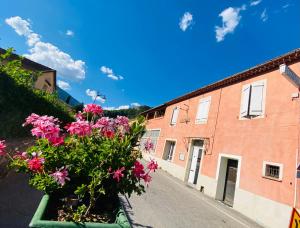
point(196, 155)
point(230, 182)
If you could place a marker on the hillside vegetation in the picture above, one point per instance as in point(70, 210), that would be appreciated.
point(131, 113)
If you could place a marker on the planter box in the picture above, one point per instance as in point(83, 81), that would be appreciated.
point(38, 221)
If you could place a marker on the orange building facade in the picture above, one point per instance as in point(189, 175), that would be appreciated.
point(237, 140)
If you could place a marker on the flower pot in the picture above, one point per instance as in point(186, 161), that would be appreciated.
point(39, 221)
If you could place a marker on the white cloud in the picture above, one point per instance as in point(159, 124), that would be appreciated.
point(230, 19)
point(185, 21)
point(113, 77)
point(64, 85)
point(106, 70)
point(285, 6)
point(69, 33)
point(93, 95)
point(264, 15)
point(110, 74)
point(135, 104)
point(21, 27)
point(47, 53)
point(255, 3)
point(132, 105)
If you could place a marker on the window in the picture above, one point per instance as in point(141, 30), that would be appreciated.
point(252, 101)
point(169, 150)
point(203, 110)
point(152, 135)
point(272, 170)
point(174, 115)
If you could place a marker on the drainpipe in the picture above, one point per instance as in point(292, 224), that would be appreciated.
point(216, 123)
point(297, 154)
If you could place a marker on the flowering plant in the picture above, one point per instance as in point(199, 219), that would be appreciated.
point(94, 157)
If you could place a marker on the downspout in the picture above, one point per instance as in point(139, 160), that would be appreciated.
point(216, 123)
point(297, 155)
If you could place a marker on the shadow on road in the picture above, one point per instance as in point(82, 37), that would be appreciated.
point(130, 214)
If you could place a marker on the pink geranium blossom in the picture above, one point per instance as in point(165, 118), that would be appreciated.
point(118, 174)
point(44, 127)
point(152, 165)
point(21, 156)
point(36, 164)
point(2, 148)
point(122, 122)
point(80, 128)
point(148, 145)
point(138, 169)
point(79, 116)
point(61, 176)
point(147, 178)
point(93, 108)
point(56, 141)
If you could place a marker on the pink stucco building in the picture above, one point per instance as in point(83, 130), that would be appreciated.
point(237, 140)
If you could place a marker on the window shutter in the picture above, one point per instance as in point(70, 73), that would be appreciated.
point(256, 101)
point(245, 100)
point(203, 109)
point(174, 115)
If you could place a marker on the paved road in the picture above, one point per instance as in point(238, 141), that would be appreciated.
point(168, 202)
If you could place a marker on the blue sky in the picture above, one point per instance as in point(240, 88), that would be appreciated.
point(145, 54)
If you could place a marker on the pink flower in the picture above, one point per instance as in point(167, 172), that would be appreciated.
point(56, 141)
point(152, 165)
point(118, 174)
point(80, 128)
point(2, 147)
point(93, 108)
point(123, 123)
point(147, 178)
point(138, 170)
point(31, 119)
point(108, 134)
point(79, 116)
point(35, 164)
point(21, 156)
point(61, 176)
point(44, 126)
point(103, 123)
point(148, 145)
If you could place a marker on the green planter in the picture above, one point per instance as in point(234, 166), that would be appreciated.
point(38, 221)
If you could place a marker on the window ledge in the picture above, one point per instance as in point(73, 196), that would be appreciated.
point(200, 122)
point(272, 178)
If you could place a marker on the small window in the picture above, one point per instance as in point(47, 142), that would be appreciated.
point(272, 170)
point(252, 101)
point(169, 150)
point(174, 115)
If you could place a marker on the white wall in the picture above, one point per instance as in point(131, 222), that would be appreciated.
point(173, 169)
point(264, 211)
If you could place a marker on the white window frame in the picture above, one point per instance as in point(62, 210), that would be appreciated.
point(262, 115)
point(199, 121)
point(265, 163)
point(174, 150)
point(171, 123)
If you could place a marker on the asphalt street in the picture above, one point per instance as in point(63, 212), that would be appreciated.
point(169, 203)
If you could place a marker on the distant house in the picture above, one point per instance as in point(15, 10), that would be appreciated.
point(237, 140)
point(47, 80)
